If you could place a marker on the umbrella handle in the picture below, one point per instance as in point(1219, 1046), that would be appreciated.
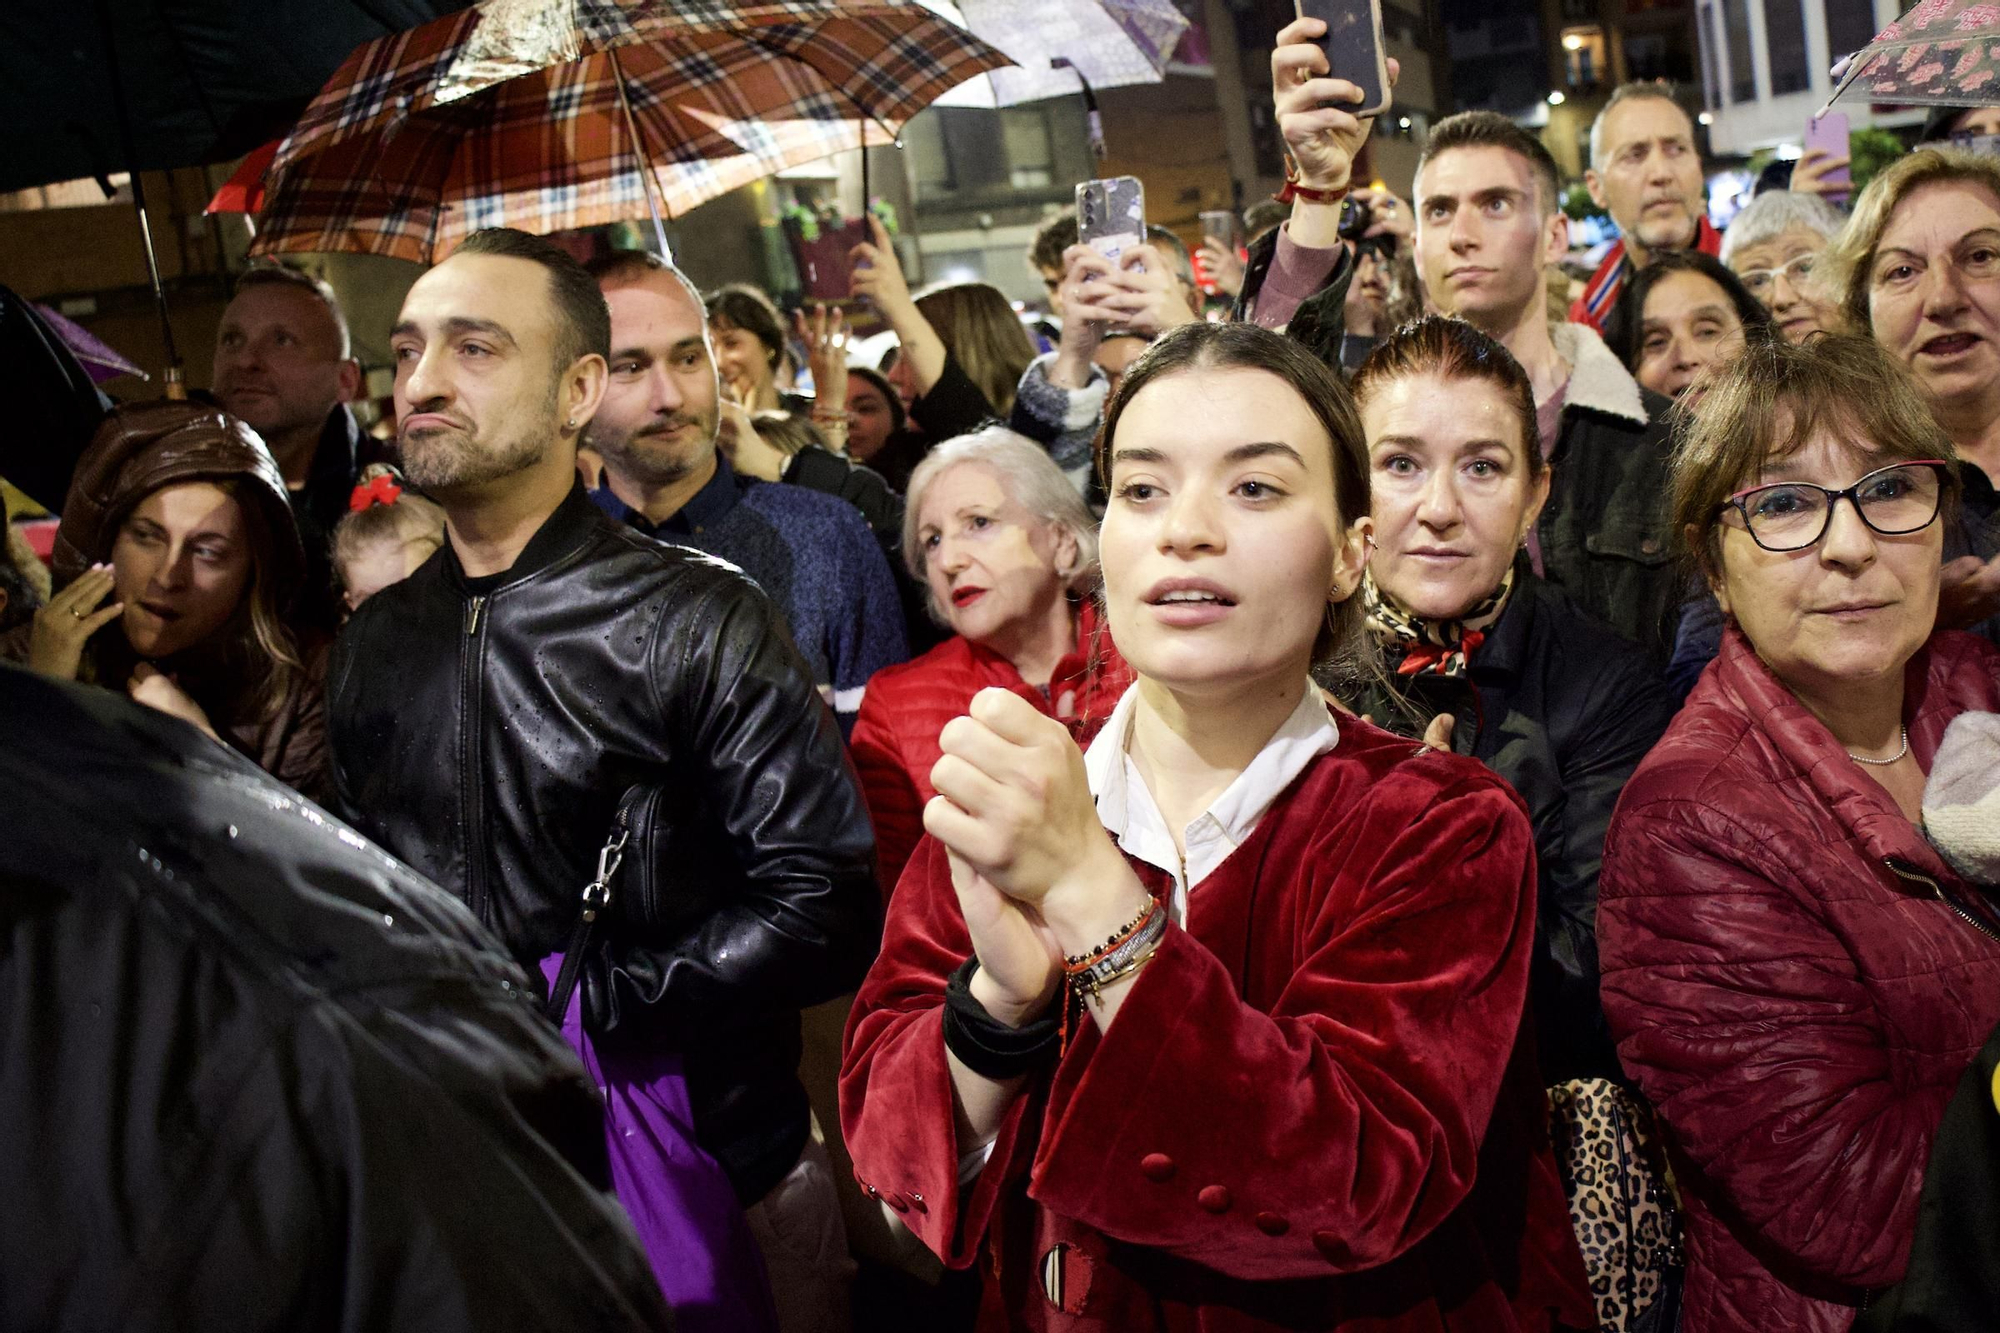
point(647, 183)
point(1093, 119)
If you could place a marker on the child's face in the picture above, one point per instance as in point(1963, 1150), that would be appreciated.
point(376, 567)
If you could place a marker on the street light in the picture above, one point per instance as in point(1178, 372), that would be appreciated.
point(1556, 98)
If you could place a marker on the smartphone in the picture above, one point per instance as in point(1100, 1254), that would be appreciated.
point(1111, 215)
point(1354, 50)
point(1829, 134)
point(1219, 225)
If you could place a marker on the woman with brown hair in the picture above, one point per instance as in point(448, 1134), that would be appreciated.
point(1218, 1024)
point(1796, 978)
point(959, 355)
point(179, 515)
point(1489, 660)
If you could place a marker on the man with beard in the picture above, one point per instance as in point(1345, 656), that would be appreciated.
point(549, 674)
point(657, 434)
point(284, 365)
point(1645, 172)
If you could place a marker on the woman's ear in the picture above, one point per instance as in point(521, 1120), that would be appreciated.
point(1350, 558)
point(1538, 495)
point(1068, 553)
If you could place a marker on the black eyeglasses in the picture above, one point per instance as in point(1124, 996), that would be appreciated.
point(1792, 515)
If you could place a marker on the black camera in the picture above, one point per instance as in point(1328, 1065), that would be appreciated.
point(1355, 218)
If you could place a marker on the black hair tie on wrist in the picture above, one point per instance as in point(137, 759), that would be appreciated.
point(987, 1046)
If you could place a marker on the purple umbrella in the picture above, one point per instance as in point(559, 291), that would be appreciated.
point(98, 359)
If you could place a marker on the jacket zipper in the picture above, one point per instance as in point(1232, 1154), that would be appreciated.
point(1937, 891)
point(471, 773)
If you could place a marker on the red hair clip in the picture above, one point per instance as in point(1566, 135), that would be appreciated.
point(381, 490)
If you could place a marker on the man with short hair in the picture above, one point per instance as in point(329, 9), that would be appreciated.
point(1045, 254)
point(1646, 173)
point(1489, 231)
point(550, 676)
point(657, 434)
point(284, 364)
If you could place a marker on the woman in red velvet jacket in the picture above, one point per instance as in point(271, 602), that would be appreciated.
point(1007, 553)
point(1796, 978)
point(1297, 1094)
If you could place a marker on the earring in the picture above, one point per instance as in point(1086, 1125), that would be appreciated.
point(571, 423)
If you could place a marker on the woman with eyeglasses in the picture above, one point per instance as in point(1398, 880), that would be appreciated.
point(1773, 246)
point(1795, 977)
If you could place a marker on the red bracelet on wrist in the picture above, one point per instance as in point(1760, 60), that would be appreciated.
point(1294, 190)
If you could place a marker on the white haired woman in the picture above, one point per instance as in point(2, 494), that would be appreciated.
point(1007, 554)
point(1773, 246)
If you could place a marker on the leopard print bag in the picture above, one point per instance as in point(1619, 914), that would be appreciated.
point(1621, 1203)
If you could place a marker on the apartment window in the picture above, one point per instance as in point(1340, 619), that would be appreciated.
point(1850, 25)
point(1742, 72)
point(1031, 159)
point(1785, 46)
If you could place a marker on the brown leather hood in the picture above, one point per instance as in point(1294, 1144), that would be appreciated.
point(142, 447)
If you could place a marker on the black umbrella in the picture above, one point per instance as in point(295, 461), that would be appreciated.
point(88, 89)
point(201, 80)
point(53, 405)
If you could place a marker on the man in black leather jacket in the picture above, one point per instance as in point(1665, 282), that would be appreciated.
point(486, 715)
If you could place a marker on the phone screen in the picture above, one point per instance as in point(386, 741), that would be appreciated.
point(1111, 215)
point(1353, 46)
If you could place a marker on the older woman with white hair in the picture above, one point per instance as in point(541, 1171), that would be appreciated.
point(1772, 246)
point(1007, 554)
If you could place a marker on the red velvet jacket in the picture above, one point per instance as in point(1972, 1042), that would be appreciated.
point(1315, 1109)
point(895, 740)
point(1788, 988)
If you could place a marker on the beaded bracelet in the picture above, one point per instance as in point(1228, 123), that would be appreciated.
point(1123, 954)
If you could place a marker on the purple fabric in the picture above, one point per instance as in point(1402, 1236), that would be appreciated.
point(99, 360)
point(686, 1214)
point(1296, 272)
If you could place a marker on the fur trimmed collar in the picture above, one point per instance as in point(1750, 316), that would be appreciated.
point(1597, 381)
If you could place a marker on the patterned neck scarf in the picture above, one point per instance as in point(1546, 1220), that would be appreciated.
point(1431, 647)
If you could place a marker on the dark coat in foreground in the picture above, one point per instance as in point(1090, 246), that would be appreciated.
point(255, 1074)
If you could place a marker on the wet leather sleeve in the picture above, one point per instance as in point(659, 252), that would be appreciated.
point(800, 918)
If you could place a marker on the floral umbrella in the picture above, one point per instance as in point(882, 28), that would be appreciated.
point(1942, 53)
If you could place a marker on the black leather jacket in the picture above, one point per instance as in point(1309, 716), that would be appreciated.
point(484, 730)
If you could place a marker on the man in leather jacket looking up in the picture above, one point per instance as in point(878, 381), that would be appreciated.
point(487, 715)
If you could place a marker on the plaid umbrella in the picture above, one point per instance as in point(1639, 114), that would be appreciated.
point(427, 136)
point(1056, 43)
point(1941, 53)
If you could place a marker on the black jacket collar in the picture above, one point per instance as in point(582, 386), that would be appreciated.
point(562, 534)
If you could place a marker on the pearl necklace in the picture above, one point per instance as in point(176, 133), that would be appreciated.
point(1859, 759)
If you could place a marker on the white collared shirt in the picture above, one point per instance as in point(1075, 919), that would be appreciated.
point(1129, 814)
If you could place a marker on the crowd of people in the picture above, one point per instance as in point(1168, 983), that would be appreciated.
point(1447, 796)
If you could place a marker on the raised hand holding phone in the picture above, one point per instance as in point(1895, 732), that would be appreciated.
point(1321, 117)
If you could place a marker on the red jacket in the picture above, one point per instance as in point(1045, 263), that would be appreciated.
point(1789, 990)
point(895, 740)
point(1315, 1109)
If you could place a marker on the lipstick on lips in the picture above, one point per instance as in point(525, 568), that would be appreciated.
point(967, 595)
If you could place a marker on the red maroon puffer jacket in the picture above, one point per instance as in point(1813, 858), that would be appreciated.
point(895, 740)
point(1789, 988)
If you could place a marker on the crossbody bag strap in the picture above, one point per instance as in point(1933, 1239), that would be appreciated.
point(596, 901)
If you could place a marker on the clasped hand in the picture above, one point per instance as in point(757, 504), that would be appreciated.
point(1035, 873)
